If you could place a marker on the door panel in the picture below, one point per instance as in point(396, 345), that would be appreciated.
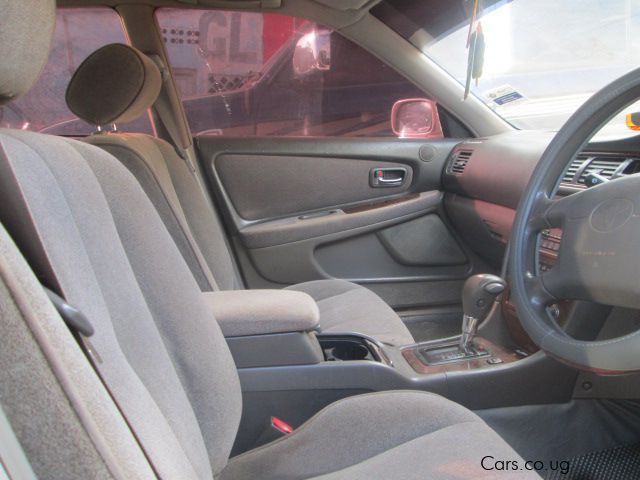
point(267, 186)
point(365, 259)
point(305, 209)
point(300, 261)
point(424, 241)
point(338, 223)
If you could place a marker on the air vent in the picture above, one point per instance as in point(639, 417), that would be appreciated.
point(459, 161)
point(632, 167)
point(605, 166)
point(573, 168)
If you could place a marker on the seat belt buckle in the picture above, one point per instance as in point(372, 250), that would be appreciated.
point(275, 429)
point(281, 426)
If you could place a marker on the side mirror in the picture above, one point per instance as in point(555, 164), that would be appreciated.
point(312, 53)
point(416, 118)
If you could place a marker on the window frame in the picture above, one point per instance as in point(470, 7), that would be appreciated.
point(451, 126)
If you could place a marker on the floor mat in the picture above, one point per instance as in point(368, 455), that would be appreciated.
point(620, 463)
point(565, 431)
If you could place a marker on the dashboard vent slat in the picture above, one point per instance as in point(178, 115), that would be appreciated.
point(605, 166)
point(459, 161)
point(571, 172)
point(633, 167)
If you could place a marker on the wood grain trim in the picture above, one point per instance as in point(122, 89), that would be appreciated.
point(386, 203)
point(507, 356)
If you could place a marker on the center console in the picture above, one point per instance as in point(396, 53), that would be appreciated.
point(289, 368)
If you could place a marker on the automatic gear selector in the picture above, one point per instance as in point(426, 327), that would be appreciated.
point(478, 294)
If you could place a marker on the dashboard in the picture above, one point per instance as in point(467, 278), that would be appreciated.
point(484, 179)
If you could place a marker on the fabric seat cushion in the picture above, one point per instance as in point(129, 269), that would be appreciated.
point(397, 434)
point(347, 307)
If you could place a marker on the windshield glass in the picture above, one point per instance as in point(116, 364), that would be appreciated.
point(543, 58)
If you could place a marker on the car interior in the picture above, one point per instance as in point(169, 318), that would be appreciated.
point(274, 239)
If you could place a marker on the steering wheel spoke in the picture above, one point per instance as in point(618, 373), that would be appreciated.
point(538, 221)
point(539, 296)
point(557, 211)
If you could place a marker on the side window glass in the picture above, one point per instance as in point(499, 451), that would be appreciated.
point(78, 33)
point(254, 74)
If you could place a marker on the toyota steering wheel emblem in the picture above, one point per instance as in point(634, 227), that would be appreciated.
point(611, 214)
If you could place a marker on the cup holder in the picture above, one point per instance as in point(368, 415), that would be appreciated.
point(341, 349)
point(349, 352)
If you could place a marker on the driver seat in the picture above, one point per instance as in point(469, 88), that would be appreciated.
point(163, 398)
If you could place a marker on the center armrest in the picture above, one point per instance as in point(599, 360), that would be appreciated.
point(261, 312)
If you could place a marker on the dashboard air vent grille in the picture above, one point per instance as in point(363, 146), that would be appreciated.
point(605, 166)
point(460, 160)
point(573, 168)
point(633, 167)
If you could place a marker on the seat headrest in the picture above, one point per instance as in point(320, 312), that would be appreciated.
point(25, 39)
point(116, 83)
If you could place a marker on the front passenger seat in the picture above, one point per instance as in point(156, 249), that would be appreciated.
point(88, 230)
point(117, 84)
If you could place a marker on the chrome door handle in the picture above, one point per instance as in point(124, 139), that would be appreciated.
point(389, 180)
point(387, 177)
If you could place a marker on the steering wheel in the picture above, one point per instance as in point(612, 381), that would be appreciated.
point(599, 256)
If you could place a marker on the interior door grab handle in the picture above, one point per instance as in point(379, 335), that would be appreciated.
point(387, 177)
point(389, 180)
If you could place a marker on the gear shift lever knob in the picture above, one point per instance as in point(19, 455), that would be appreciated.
point(478, 295)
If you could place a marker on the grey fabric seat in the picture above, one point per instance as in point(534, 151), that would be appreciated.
point(182, 203)
point(347, 307)
point(88, 230)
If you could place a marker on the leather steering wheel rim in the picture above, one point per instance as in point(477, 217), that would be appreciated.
point(598, 260)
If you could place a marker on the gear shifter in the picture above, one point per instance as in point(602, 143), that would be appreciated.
point(478, 295)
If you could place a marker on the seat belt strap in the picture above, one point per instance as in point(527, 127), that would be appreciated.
point(166, 116)
point(186, 153)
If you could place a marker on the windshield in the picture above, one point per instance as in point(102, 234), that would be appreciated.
point(543, 58)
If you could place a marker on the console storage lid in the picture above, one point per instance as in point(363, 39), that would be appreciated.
point(261, 312)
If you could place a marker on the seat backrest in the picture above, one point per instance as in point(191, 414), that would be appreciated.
point(162, 352)
point(67, 424)
point(88, 229)
point(167, 179)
